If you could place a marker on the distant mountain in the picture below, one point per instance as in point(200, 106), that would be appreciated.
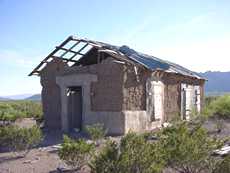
point(19, 96)
point(218, 82)
point(35, 97)
point(3, 99)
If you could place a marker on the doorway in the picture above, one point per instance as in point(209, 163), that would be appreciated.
point(75, 108)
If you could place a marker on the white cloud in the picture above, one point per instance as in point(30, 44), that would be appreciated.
point(14, 70)
point(191, 23)
point(212, 54)
point(14, 58)
point(198, 43)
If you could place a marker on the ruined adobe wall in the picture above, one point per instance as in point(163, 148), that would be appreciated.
point(51, 100)
point(117, 87)
point(118, 98)
point(172, 93)
point(134, 88)
point(106, 93)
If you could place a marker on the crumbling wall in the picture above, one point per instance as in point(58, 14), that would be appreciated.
point(134, 88)
point(172, 93)
point(51, 100)
point(172, 100)
point(106, 93)
point(118, 87)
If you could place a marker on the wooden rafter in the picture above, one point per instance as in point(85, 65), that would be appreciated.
point(94, 44)
point(79, 51)
point(51, 54)
point(70, 48)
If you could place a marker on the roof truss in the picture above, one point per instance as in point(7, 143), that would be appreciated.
point(72, 49)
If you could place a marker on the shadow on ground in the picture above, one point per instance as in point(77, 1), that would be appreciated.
point(9, 158)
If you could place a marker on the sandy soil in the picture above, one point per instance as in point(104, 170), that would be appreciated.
point(37, 161)
point(45, 159)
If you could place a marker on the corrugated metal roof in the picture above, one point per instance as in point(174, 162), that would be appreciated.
point(150, 62)
point(153, 63)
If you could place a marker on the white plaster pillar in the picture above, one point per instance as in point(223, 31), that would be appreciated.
point(64, 109)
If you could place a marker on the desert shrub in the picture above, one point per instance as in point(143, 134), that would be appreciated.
point(188, 149)
point(20, 139)
point(220, 107)
point(75, 153)
point(96, 131)
point(133, 155)
point(209, 99)
point(12, 110)
point(223, 166)
point(107, 161)
point(7, 113)
point(138, 155)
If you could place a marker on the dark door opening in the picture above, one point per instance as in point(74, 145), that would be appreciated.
point(75, 108)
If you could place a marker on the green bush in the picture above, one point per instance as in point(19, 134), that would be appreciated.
point(133, 155)
point(220, 107)
point(107, 161)
point(96, 131)
point(139, 155)
point(20, 139)
point(187, 148)
point(75, 153)
point(223, 166)
point(12, 110)
point(209, 99)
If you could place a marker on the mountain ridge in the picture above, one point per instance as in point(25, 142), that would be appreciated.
point(217, 81)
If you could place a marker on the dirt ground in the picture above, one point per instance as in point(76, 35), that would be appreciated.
point(39, 160)
point(45, 159)
point(36, 161)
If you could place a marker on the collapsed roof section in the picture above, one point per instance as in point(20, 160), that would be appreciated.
point(73, 49)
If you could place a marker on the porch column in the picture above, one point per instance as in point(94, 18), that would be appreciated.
point(64, 109)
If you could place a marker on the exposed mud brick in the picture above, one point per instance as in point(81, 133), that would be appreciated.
point(172, 100)
point(134, 91)
point(107, 92)
point(51, 99)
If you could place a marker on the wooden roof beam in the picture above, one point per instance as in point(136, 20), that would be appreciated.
point(52, 53)
point(70, 48)
point(78, 52)
point(67, 50)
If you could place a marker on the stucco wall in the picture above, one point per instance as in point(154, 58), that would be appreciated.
point(114, 122)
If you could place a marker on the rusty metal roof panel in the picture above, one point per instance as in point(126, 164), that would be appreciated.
point(154, 63)
point(150, 62)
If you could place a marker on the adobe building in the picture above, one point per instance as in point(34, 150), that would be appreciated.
point(87, 82)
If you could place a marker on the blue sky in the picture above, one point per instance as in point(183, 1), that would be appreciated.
point(195, 34)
